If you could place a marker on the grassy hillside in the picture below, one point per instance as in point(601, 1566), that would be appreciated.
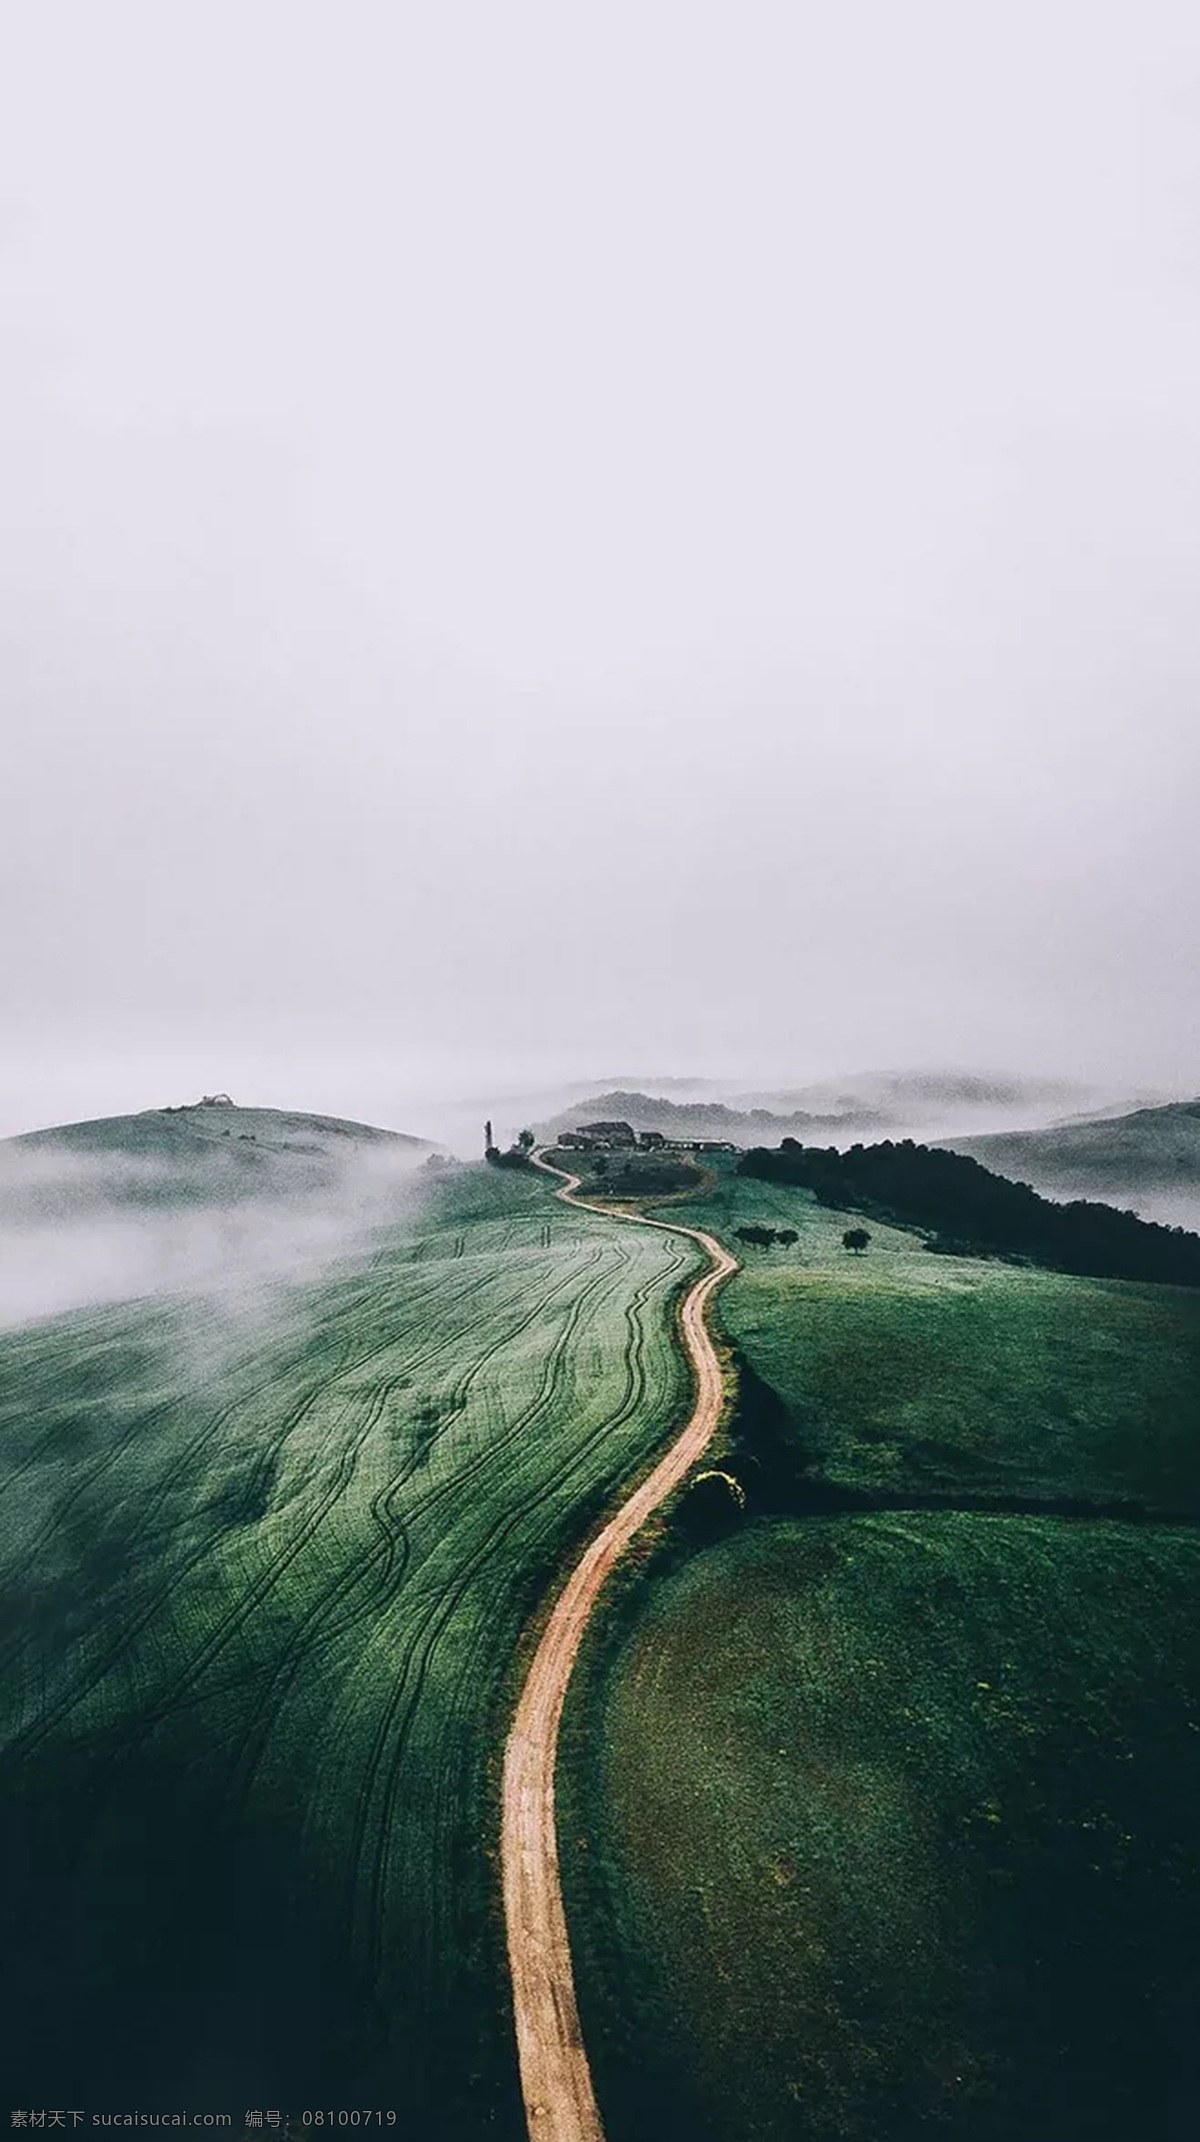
point(191, 1155)
point(882, 1822)
point(993, 1382)
point(1153, 1147)
point(1149, 1159)
point(908, 1372)
point(262, 1585)
point(891, 1832)
point(225, 1198)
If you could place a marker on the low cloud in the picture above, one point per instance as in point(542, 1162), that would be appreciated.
point(81, 1230)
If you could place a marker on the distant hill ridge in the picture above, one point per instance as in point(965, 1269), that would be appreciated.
point(702, 1119)
point(209, 1153)
point(1150, 1148)
point(902, 1095)
point(844, 1109)
point(162, 1129)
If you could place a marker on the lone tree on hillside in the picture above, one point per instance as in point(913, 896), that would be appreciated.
point(526, 1141)
point(856, 1239)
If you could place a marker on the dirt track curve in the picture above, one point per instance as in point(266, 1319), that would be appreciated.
point(556, 2081)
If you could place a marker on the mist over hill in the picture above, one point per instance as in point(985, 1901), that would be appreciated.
point(213, 1151)
point(833, 1111)
point(1148, 1159)
point(692, 1119)
point(212, 1197)
point(920, 1096)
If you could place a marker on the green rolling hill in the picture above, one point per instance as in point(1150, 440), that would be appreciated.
point(262, 1587)
point(204, 1154)
point(203, 1197)
point(880, 1777)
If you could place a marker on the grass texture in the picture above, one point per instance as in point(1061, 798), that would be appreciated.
point(262, 1587)
point(880, 1823)
point(904, 1371)
point(892, 1833)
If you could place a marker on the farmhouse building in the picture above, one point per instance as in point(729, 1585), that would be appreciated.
point(700, 1145)
point(606, 1137)
point(622, 1138)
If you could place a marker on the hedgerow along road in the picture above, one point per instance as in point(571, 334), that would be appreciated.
point(556, 2082)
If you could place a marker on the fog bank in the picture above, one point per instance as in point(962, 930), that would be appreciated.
point(548, 538)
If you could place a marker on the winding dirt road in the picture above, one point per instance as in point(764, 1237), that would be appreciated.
point(556, 2081)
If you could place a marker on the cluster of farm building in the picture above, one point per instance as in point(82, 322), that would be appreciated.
point(622, 1138)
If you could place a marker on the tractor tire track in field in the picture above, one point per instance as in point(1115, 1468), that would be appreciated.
point(478, 1670)
point(383, 1769)
point(335, 1549)
point(486, 1553)
point(264, 1469)
point(556, 2082)
point(193, 1682)
point(312, 1518)
point(323, 1624)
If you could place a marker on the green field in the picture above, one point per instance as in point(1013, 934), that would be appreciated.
point(878, 1816)
point(891, 1831)
point(907, 1372)
point(264, 1581)
point(883, 1823)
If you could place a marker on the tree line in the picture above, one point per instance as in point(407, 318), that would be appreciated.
point(964, 1209)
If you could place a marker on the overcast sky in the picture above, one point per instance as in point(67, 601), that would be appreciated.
point(646, 537)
